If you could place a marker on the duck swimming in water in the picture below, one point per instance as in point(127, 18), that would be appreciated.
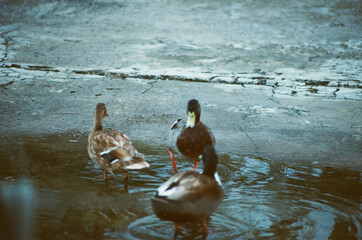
point(190, 196)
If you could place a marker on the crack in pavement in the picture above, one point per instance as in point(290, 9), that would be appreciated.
point(277, 89)
point(111, 73)
point(6, 43)
point(6, 84)
point(252, 141)
point(151, 86)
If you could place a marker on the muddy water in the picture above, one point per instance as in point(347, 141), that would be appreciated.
point(263, 199)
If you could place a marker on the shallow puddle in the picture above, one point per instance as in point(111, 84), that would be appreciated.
point(262, 199)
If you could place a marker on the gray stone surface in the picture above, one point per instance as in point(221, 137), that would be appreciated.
point(247, 120)
point(278, 79)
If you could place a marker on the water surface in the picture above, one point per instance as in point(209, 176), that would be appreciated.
point(262, 199)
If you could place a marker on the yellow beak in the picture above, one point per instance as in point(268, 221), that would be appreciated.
point(191, 118)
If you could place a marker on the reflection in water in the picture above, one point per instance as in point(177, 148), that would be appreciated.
point(262, 199)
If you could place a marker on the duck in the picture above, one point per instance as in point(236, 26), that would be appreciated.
point(190, 196)
point(111, 149)
point(189, 137)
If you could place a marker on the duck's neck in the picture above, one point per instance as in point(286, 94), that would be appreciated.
point(197, 120)
point(209, 170)
point(98, 123)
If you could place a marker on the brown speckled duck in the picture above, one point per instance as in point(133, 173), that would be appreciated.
point(191, 137)
point(190, 196)
point(112, 149)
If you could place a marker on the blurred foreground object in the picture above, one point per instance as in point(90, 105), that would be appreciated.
point(17, 205)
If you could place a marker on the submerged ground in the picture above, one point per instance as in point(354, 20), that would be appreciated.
point(279, 84)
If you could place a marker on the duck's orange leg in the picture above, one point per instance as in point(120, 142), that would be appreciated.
point(106, 175)
point(126, 183)
point(172, 160)
point(195, 165)
point(204, 228)
point(177, 228)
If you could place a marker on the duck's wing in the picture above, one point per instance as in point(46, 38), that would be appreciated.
point(175, 130)
point(187, 196)
point(167, 189)
point(209, 133)
point(116, 148)
point(185, 187)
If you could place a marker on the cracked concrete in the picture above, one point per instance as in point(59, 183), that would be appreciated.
point(281, 80)
point(350, 89)
point(245, 120)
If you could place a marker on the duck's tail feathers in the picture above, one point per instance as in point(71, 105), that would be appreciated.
point(136, 163)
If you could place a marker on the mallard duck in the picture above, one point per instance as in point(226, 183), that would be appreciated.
point(190, 137)
point(190, 196)
point(112, 149)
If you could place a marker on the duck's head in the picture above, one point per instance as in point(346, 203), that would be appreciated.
point(193, 113)
point(101, 111)
point(210, 160)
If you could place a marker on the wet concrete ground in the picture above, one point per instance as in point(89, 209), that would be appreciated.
point(249, 119)
point(281, 80)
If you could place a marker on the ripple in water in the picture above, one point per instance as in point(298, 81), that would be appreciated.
point(262, 199)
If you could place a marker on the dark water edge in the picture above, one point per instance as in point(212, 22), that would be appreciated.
point(262, 199)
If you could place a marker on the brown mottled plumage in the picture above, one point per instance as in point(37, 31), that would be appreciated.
point(112, 149)
point(190, 196)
